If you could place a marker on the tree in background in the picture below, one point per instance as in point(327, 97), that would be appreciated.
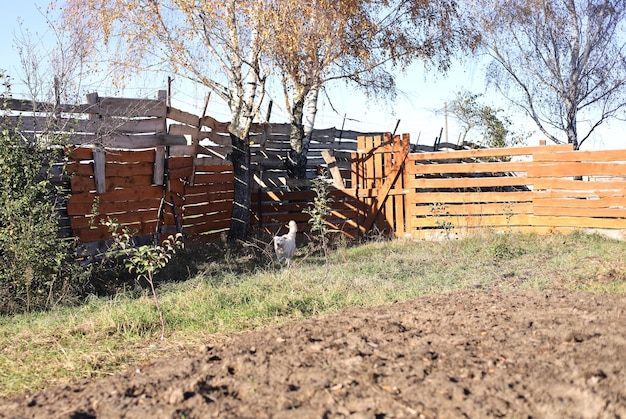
point(52, 64)
point(496, 130)
point(562, 61)
point(215, 44)
point(316, 42)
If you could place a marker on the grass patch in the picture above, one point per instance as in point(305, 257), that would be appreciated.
point(222, 296)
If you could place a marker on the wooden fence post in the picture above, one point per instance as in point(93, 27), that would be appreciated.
point(99, 169)
point(159, 166)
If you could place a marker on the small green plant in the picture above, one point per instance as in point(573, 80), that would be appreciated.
point(440, 212)
point(320, 210)
point(143, 261)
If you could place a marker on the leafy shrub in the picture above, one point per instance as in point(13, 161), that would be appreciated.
point(37, 267)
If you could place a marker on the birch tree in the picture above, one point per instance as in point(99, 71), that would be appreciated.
point(358, 41)
point(215, 44)
point(563, 62)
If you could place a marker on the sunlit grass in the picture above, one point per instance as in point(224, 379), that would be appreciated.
point(106, 335)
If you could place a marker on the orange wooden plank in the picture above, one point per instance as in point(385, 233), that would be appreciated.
point(127, 156)
point(208, 197)
point(130, 194)
point(127, 170)
point(469, 197)
point(583, 156)
point(105, 207)
point(581, 212)
point(208, 189)
point(474, 209)
point(490, 221)
point(569, 184)
point(491, 152)
point(180, 162)
point(207, 208)
point(576, 169)
point(468, 182)
point(585, 202)
point(489, 167)
point(80, 169)
point(82, 184)
point(213, 178)
point(126, 218)
point(79, 153)
point(215, 168)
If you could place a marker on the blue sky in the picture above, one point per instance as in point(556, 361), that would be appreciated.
point(419, 106)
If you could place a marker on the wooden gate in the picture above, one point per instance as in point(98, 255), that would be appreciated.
point(378, 177)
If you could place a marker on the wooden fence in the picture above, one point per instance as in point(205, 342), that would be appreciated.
point(160, 170)
point(157, 169)
point(528, 189)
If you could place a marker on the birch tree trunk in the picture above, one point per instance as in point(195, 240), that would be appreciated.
point(302, 122)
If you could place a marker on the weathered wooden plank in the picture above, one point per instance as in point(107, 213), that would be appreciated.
point(183, 117)
point(158, 177)
point(214, 124)
point(95, 126)
point(183, 151)
point(127, 141)
point(112, 106)
point(179, 129)
point(23, 105)
point(220, 139)
point(99, 168)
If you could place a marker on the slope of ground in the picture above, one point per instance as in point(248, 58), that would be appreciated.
point(462, 354)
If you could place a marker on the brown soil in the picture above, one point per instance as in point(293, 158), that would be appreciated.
point(466, 354)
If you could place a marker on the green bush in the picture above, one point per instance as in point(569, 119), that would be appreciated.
point(37, 267)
